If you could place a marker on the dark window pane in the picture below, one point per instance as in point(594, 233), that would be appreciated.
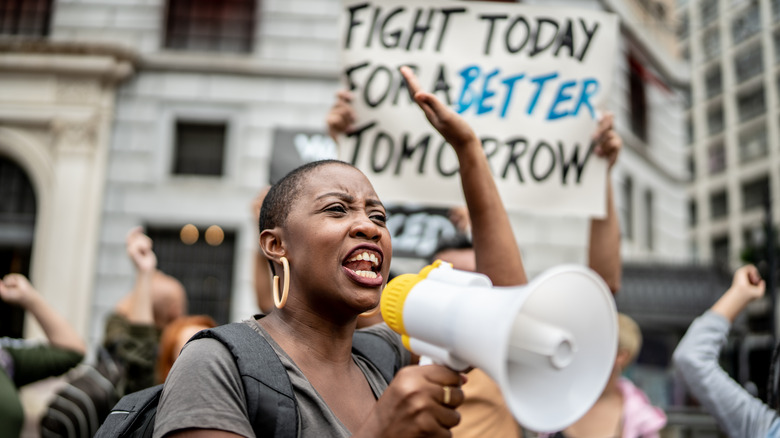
point(748, 63)
point(709, 11)
point(637, 98)
point(17, 230)
point(200, 148)
point(627, 208)
point(205, 270)
point(715, 120)
point(713, 81)
point(720, 251)
point(719, 206)
point(754, 193)
point(753, 144)
point(210, 25)
point(746, 24)
point(25, 17)
point(716, 154)
point(751, 103)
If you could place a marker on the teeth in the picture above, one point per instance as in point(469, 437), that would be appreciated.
point(367, 274)
point(365, 256)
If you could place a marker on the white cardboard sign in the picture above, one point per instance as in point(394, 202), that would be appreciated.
point(530, 81)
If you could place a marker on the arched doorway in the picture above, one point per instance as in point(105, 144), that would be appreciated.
point(17, 228)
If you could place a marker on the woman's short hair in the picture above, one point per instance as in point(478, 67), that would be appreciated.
point(629, 336)
point(276, 205)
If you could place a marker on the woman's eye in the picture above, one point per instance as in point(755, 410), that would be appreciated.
point(336, 208)
point(379, 217)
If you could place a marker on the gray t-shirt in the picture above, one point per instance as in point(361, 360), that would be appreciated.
point(204, 390)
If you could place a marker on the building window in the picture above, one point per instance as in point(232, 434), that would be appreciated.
point(719, 205)
point(687, 98)
point(689, 132)
point(751, 103)
point(650, 220)
point(709, 11)
point(683, 26)
point(710, 42)
point(713, 81)
point(753, 144)
point(637, 98)
point(754, 193)
point(776, 38)
point(720, 251)
point(716, 157)
point(746, 24)
point(748, 63)
point(210, 25)
point(685, 52)
point(693, 213)
point(715, 121)
point(202, 259)
point(200, 148)
point(627, 208)
point(25, 17)
point(775, 10)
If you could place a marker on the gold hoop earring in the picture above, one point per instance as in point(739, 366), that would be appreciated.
point(280, 302)
point(370, 313)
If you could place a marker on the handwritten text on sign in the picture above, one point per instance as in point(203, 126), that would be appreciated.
point(530, 80)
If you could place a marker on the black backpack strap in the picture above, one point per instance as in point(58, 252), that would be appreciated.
point(271, 404)
point(378, 351)
point(133, 415)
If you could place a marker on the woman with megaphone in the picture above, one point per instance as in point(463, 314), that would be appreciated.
point(323, 227)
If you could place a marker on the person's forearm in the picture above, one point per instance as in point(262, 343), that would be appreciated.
point(495, 247)
point(731, 304)
point(604, 247)
point(140, 308)
point(57, 329)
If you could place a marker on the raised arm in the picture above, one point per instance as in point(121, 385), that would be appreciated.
point(16, 289)
point(696, 359)
point(137, 306)
point(604, 246)
point(497, 253)
point(747, 286)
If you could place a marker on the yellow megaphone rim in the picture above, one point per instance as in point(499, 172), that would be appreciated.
point(395, 293)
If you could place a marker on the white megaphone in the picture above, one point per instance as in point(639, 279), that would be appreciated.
point(550, 345)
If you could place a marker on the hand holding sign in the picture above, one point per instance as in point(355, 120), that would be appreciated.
point(606, 142)
point(450, 125)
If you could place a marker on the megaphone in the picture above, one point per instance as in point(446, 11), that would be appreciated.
point(549, 345)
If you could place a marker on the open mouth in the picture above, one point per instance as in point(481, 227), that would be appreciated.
point(364, 263)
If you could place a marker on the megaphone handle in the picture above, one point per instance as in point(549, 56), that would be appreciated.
point(435, 354)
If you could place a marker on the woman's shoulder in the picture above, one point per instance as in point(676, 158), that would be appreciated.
point(205, 366)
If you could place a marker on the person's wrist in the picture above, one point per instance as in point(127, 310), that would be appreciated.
point(32, 301)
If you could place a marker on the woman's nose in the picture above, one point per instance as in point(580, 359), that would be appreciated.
point(365, 228)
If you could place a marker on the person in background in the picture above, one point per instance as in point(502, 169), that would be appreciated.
point(22, 362)
point(738, 413)
point(132, 332)
point(173, 338)
point(622, 410)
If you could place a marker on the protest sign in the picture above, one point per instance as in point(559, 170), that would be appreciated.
point(295, 147)
point(530, 80)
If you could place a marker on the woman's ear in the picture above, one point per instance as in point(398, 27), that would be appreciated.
point(623, 359)
point(271, 244)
